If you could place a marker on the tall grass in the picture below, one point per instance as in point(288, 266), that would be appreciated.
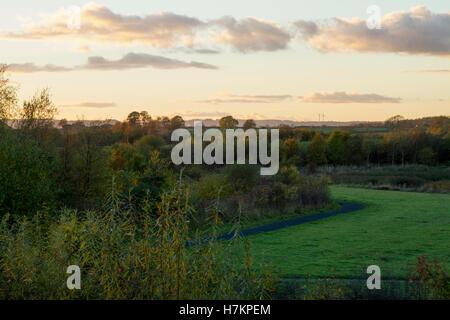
point(123, 256)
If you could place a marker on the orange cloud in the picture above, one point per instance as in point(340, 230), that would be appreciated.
point(97, 23)
point(95, 105)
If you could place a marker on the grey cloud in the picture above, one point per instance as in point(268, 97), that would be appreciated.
point(438, 71)
point(32, 68)
point(307, 28)
point(232, 98)
point(251, 34)
point(142, 60)
point(192, 114)
point(344, 97)
point(129, 61)
point(418, 31)
point(206, 51)
point(95, 105)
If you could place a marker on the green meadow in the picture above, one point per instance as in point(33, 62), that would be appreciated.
point(392, 231)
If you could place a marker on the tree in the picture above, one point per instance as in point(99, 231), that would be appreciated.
point(291, 150)
point(439, 125)
point(163, 126)
point(336, 146)
point(176, 123)
point(369, 147)
point(62, 123)
point(400, 142)
point(36, 118)
point(149, 143)
point(134, 119)
point(444, 150)
point(8, 96)
point(353, 150)
point(89, 167)
point(38, 112)
point(145, 118)
point(427, 156)
point(317, 152)
point(394, 122)
point(25, 174)
point(418, 140)
point(228, 123)
point(249, 124)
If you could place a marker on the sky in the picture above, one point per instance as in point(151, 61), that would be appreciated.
point(350, 60)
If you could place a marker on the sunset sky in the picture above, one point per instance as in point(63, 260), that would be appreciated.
point(265, 59)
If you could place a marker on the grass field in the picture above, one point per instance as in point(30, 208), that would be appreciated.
point(393, 230)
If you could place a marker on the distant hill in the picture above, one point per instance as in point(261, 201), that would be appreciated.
point(57, 123)
point(276, 123)
point(215, 123)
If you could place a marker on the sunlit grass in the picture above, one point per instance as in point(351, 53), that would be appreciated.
point(394, 229)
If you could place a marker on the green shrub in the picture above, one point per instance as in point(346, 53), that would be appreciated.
point(212, 186)
point(437, 186)
point(242, 177)
point(149, 143)
point(122, 259)
point(427, 156)
point(407, 182)
point(25, 176)
point(431, 279)
point(286, 191)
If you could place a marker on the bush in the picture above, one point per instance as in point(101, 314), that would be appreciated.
point(125, 157)
point(431, 279)
point(211, 187)
point(149, 143)
point(25, 172)
point(407, 182)
point(121, 259)
point(427, 156)
point(437, 186)
point(242, 177)
point(255, 196)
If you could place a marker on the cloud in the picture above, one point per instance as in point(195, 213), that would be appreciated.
point(129, 61)
point(204, 114)
point(142, 60)
point(206, 51)
point(95, 105)
point(438, 71)
point(418, 31)
point(98, 23)
point(219, 114)
point(83, 48)
point(252, 34)
point(232, 98)
point(195, 50)
point(344, 97)
point(32, 68)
